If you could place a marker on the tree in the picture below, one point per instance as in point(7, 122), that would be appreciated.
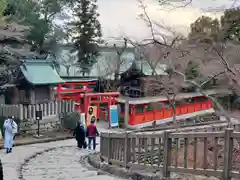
point(205, 28)
point(67, 60)
point(13, 47)
point(214, 59)
point(192, 70)
point(86, 33)
point(39, 15)
point(119, 59)
point(230, 23)
point(3, 5)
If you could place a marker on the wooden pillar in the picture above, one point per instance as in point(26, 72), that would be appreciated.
point(228, 147)
point(144, 111)
point(154, 112)
point(109, 105)
point(126, 117)
point(98, 106)
point(32, 96)
point(113, 100)
point(132, 112)
point(51, 93)
point(86, 104)
point(72, 86)
point(59, 91)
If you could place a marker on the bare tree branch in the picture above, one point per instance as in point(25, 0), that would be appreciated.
point(175, 46)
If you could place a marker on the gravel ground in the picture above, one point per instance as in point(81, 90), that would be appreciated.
point(62, 163)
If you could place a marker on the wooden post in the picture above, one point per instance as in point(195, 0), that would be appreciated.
point(109, 106)
point(48, 109)
point(20, 111)
point(228, 146)
point(59, 91)
point(126, 150)
point(166, 154)
point(32, 96)
point(85, 106)
point(34, 112)
point(60, 107)
point(73, 105)
point(56, 107)
point(109, 148)
point(25, 108)
point(101, 144)
point(144, 111)
point(126, 117)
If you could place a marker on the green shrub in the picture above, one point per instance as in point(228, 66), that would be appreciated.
point(69, 120)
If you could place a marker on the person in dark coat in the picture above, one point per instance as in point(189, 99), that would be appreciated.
point(80, 135)
point(92, 132)
point(1, 170)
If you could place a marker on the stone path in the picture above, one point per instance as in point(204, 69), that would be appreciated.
point(59, 164)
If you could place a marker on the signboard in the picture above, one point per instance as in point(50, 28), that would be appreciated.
point(38, 115)
point(83, 120)
point(91, 114)
point(114, 121)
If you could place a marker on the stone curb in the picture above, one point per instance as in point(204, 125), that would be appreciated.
point(121, 172)
point(26, 160)
point(38, 141)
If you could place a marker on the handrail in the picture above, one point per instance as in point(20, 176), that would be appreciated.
point(178, 126)
point(179, 152)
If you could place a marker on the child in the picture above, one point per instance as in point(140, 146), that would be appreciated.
point(92, 132)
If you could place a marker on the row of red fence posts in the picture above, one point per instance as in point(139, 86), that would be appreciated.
point(148, 116)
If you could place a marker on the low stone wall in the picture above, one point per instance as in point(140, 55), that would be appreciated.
point(50, 123)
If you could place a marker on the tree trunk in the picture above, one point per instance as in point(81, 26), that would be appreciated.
point(68, 70)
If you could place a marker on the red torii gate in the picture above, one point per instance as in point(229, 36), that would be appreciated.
point(108, 97)
point(72, 93)
point(85, 97)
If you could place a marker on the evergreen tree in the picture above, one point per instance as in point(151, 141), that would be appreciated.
point(192, 70)
point(87, 33)
point(40, 16)
point(205, 29)
point(13, 46)
point(230, 22)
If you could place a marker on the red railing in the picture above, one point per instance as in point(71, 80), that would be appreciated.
point(139, 118)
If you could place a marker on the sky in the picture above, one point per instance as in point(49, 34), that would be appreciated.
point(121, 17)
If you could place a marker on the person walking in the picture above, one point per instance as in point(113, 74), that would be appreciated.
point(10, 129)
point(1, 170)
point(92, 132)
point(80, 135)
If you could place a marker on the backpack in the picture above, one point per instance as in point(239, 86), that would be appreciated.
point(14, 128)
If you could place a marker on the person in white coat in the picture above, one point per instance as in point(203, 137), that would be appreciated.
point(10, 129)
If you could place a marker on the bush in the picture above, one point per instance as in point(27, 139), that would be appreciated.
point(69, 120)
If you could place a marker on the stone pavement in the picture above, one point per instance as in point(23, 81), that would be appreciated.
point(59, 164)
